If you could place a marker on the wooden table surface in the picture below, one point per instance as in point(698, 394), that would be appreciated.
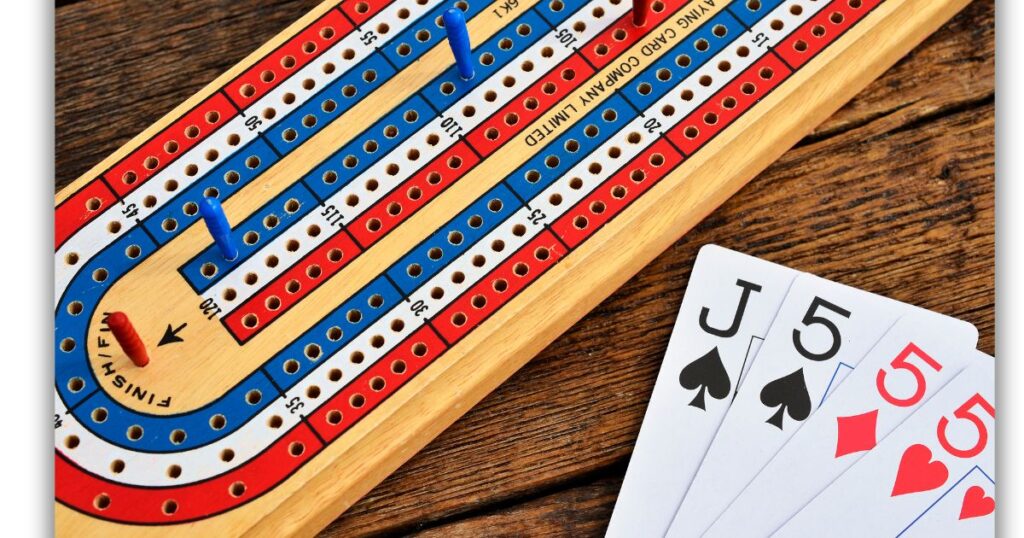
point(894, 195)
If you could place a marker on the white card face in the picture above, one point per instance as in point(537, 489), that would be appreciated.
point(821, 332)
point(918, 356)
point(922, 476)
point(730, 302)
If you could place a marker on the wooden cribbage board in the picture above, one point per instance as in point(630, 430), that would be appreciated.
point(409, 239)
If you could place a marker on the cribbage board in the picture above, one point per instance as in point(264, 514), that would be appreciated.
point(408, 238)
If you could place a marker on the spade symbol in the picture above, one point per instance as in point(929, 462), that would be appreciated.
point(789, 394)
point(706, 374)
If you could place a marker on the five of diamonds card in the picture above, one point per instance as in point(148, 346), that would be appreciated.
point(789, 405)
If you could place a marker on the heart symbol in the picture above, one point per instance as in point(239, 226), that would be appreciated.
point(976, 503)
point(917, 471)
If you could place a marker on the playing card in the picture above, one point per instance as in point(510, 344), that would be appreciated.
point(914, 360)
point(729, 304)
point(923, 474)
point(820, 333)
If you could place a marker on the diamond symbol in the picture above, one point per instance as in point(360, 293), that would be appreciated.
point(856, 433)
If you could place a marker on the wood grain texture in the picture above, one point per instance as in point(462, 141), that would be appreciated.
point(893, 194)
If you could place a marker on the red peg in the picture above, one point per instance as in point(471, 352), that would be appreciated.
point(129, 340)
point(640, 9)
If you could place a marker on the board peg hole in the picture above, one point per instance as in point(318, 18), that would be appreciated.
point(275, 422)
point(100, 275)
point(178, 436)
point(348, 91)
point(643, 88)
point(702, 45)
point(435, 253)
point(334, 417)
point(352, 200)
point(495, 205)
point(818, 30)
point(508, 81)
point(71, 442)
point(595, 168)
point(250, 237)
point(836, 17)
point(526, 66)
point(334, 375)
point(289, 135)
point(419, 349)
point(291, 366)
point(705, 80)
point(313, 230)
point(253, 397)
point(377, 341)
point(398, 367)
point(459, 319)
point(729, 103)
point(619, 192)
point(247, 90)
point(663, 75)
point(272, 261)
point(357, 357)
point(710, 118)
point(500, 285)
point(190, 209)
point(101, 501)
point(251, 279)
point(619, 34)
point(229, 294)
point(114, 226)
point(601, 49)
point(766, 73)
point(334, 333)
point(335, 255)
point(532, 176)
point(469, 111)
point(67, 345)
point(71, 258)
point(614, 152)
point(551, 161)
point(591, 131)
point(76, 307)
point(753, 5)
point(637, 176)
point(397, 325)
point(657, 160)
point(392, 169)
point(357, 401)
point(312, 392)
point(117, 466)
point(436, 293)
point(293, 286)
point(549, 88)
point(273, 303)
point(777, 25)
point(377, 384)
point(479, 260)
point(490, 96)
point(76, 384)
point(458, 277)
point(497, 245)
point(414, 270)
point(312, 352)
point(556, 6)
point(309, 121)
point(173, 471)
point(134, 432)
point(288, 62)
point(855, 4)
point(479, 301)
point(288, 98)
point(329, 106)
point(800, 45)
point(292, 245)
point(505, 44)
point(454, 162)
point(314, 271)
point(373, 225)
point(576, 183)
point(237, 489)
point(170, 507)
point(455, 237)
point(691, 132)
point(447, 88)
point(542, 253)
point(150, 163)
point(597, 207)
point(383, 28)
point(309, 47)
point(218, 421)
point(657, 7)
point(748, 88)
point(521, 269)
point(250, 321)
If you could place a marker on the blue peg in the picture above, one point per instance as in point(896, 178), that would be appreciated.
point(217, 223)
point(458, 38)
